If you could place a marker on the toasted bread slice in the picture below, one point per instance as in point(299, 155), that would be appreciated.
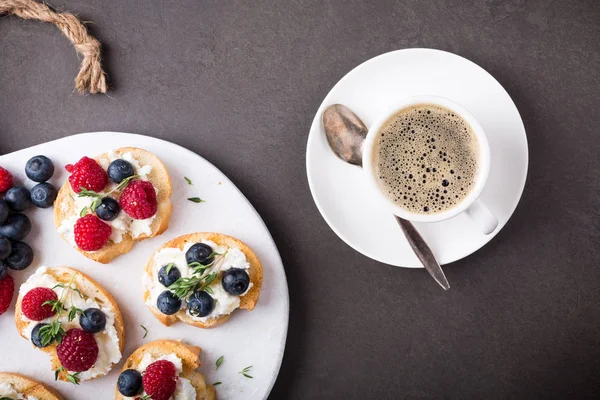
point(247, 301)
point(90, 289)
point(189, 356)
point(64, 205)
point(29, 387)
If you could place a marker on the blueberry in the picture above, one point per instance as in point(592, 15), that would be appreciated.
point(5, 248)
point(20, 257)
point(16, 227)
point(18, 198)
point(3, 211)
point(130, 383)
point(43, 195)
point(3, 270)
point(92, 320)
point(39, 169)
point(200, 253)
point(119, 170)
point(168, 303)
point(167, 279)
point(200, 304)
point(36, 339)
point(235, 281)
point(108, 209)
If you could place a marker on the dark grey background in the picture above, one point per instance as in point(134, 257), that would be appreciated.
point(239, 83)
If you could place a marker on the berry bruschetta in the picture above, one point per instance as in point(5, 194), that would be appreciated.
point(163, 370)
point(201, 278)
point(72, 318)
point(110, 202)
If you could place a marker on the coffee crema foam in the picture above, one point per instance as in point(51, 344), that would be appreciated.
point(426, 158)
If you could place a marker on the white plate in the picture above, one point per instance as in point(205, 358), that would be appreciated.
point(254, 338)
point(340, 191)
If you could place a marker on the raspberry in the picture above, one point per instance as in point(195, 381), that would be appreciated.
point(78, 350)
point(87, 173)
point(32, 304)
point(7, 289)
point(160, 379)
point(138, 199)
point(91, 233)
point(6, 180)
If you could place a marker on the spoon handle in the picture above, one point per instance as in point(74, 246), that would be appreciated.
point(423, 252)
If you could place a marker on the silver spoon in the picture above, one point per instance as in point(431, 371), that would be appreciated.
point(346, 133)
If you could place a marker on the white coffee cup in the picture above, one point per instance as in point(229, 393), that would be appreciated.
point(471, 204)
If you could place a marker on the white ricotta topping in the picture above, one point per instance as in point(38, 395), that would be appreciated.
point(123, 223)
point(184, 389)
point(225, 303)
point(109, 352)
point(7, 390)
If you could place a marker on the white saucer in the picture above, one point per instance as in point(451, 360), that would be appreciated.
point(340, 191)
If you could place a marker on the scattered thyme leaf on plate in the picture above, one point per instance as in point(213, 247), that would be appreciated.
point(245, 372)
point(196, 199)
point(145, 331)
point(220, 361)
point(188, 180)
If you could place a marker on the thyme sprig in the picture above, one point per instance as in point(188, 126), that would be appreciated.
point(54, 330)
point(73, 378)
point(202, 277)
point(98, 196)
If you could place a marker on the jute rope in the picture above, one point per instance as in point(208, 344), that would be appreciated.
point(91, 77)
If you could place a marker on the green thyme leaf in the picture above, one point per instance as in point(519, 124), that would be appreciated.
point(58, 371)
point(73, 378)
point(73, 313)
point(145, 331)
point(169, 267)
point(83, 212)
point(52, 331)
point(208, 290)
point(196, 199)
point(245, 372)
point(124, 183)
point(220, 361)
point(146, 397)
point(87, 193)
point(56, 305)
point(95, 204)
point(216, 383)
point(98, 197)
point(208, 279)
point(183, 286)
point(188, 180)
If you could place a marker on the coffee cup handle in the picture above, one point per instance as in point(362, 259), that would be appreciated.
point(482, 216)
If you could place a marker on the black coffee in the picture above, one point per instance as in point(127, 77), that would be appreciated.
point(426, 158)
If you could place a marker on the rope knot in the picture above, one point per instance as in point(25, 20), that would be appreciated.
point(91, 77)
